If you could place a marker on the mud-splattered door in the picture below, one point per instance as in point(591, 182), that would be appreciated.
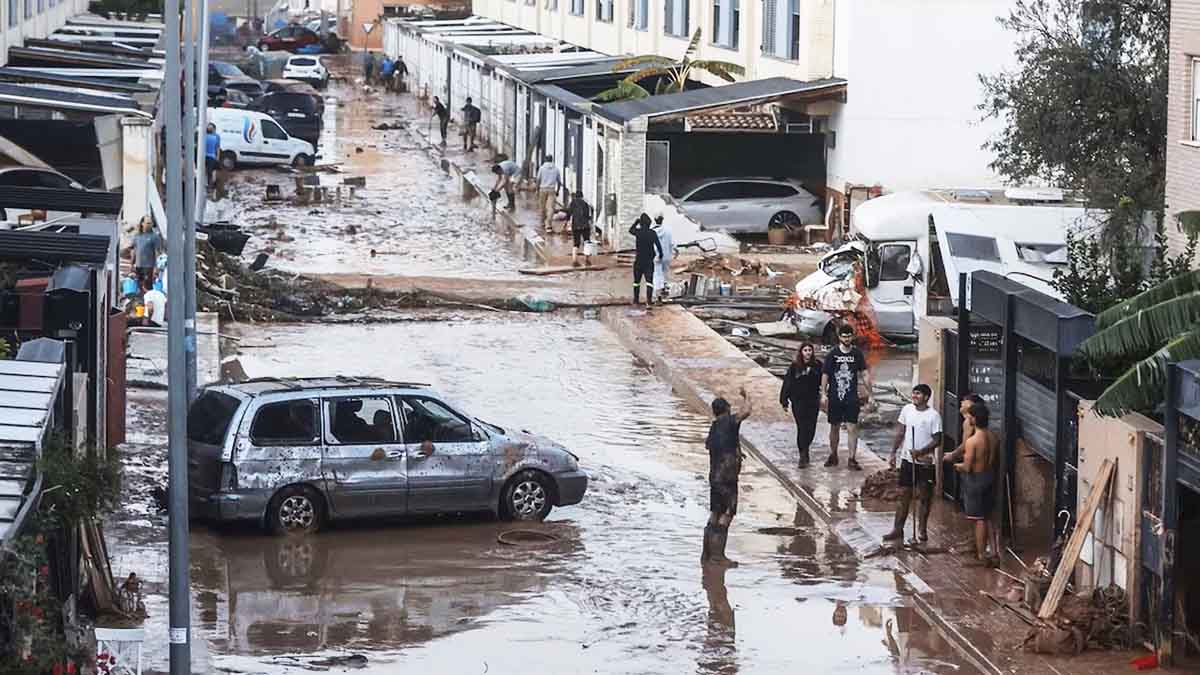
point(364, 463)
point(449, 468)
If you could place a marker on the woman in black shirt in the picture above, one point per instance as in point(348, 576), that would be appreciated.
point(802, 391)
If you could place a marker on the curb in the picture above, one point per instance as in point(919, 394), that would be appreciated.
point(621, 325)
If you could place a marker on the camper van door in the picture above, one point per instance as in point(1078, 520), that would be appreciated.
point(892, 296)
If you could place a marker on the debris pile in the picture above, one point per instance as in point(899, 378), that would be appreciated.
point(1096, 621)
point(736, 266)
point(882, 485)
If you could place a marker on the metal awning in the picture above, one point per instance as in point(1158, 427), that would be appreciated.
point(54, 199)
point(560, 73)
point(726, 96)
point(42, 56)
point(94, 49)
point(28, 391)
point(67, 98)
point(1037, 317)
point(53, 247)
point(732, 121)
point(30, 75)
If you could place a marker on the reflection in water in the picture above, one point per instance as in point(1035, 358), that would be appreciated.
point(720, 643)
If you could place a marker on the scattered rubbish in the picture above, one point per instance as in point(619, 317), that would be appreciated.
point(882, 485)
point(526, 538)
point(232, 371)
point(535, 304)
point(741, 332)
point(781, 531)
point(260, 261)
point(358, 150)
point(225, 237)
point(388, 126)
point(347, 661)
point(274, 193)
point(590, 313)
point(776, 328)
point(355, 181)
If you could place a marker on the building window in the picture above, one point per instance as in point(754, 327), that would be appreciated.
point(577, 7)
point(781, 28)
point(13, 13)
point(28, 9)
point(726, 23)
point(1196, 99)
point(604, 10)
point(639, 11)
point(675, 18)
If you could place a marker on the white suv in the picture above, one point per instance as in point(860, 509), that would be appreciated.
point(741, 205)
point(306, 69)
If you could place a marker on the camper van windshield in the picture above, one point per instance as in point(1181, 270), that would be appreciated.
point(840, 265)
point(1054, 254)
point(973, 247)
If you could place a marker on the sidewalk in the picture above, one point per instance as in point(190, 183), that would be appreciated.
point(700, 365)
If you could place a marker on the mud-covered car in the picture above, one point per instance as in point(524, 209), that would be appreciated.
point(294, 454)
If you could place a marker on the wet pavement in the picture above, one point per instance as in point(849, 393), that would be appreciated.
point(411, 212)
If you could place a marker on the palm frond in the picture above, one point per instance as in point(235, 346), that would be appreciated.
point(1143, 386)
point(644, 73)
point(622, 91)
point(1189, 221)
point(1167, 290)
point(639, 61)
point(692, 46)
point(1148, 328)
point(722, 69)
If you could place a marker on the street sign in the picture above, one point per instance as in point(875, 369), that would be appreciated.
point(368, 27)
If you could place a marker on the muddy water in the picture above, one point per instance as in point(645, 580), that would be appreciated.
point(620, 593)
point(410, 213)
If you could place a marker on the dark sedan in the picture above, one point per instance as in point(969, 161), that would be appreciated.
point(298, 114)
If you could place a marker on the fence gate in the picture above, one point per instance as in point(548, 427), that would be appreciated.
point(658, 166)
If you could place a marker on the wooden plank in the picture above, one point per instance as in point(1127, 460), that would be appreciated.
point(1071, 555)
point(562, 269)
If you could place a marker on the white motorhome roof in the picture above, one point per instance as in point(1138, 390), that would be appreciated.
point(1021, 224)
point(904, 216)
point(900, 216)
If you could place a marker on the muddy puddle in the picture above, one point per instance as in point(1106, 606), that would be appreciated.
point(410, 212)
point(619, 592)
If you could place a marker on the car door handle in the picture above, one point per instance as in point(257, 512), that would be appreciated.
point(723, 207)
point(394, 454)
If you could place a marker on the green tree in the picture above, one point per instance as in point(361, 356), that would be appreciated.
point(672, 75)
point(1085, 109)
point(1141, 335)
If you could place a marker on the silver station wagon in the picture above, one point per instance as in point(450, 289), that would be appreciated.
point(294, 454)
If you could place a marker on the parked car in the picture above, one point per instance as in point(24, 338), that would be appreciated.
point(296, 87)
point(294, 454)
point(35, 177)
point(250, 137)
point(232, 98)
point(331, 24)
point(750, 205)
point(307, 69)
point(299, 114)
point(251, 88)
point(221, 74)
point(289, 38)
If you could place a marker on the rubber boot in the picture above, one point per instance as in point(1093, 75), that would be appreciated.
point(803, 463)
point(897, 533)
point(706, 553)
point(637, 294)
point(720, 538)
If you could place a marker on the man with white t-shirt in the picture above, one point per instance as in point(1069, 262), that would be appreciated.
point(918, 435)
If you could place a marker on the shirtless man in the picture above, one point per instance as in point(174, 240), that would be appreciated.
point(978, 474)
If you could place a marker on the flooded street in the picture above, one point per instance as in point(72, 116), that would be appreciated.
point(619, 591)
point(410, 213)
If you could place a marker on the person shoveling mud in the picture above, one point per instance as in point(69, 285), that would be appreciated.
point(725, 463)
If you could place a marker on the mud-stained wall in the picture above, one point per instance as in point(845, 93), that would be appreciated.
point(1033, 499)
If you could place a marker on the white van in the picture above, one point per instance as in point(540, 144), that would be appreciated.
point(249, 137)
point(913, 245)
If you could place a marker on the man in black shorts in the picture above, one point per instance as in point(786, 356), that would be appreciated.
point(918, 436)
point(724, 465)
point(645, 243)
point(840, 375)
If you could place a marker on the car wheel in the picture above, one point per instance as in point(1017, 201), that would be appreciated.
point(784, 219)
point(526, 497)
point(295, 510)
point(228, 161)
point(302, 160)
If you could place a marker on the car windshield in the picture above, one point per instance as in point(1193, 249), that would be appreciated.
point(305, 61)
point(227, 69)
point(291, 102)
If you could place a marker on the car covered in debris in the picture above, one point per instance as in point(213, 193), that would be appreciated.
point(750, 205)
point(294, 454)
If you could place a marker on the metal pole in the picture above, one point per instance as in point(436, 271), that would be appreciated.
point(190, 103)
point(202, 122)
point(177, 399)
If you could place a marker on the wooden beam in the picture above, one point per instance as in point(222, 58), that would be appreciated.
point(1071, 555)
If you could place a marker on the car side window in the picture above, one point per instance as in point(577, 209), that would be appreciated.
point(285, 423)
point(19, 179)
point(715, 192)
point(770, 191)
point(360, 419)
point(273, 131)
point(428, 420)
point(893, 262)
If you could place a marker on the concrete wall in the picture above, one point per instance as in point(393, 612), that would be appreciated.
point(136, 150)
point(40, 25)
point(1183, 151)
point(1110, 555)
point(910, 120)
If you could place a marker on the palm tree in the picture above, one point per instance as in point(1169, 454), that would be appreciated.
point(672, 75)
point(1163, 322)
